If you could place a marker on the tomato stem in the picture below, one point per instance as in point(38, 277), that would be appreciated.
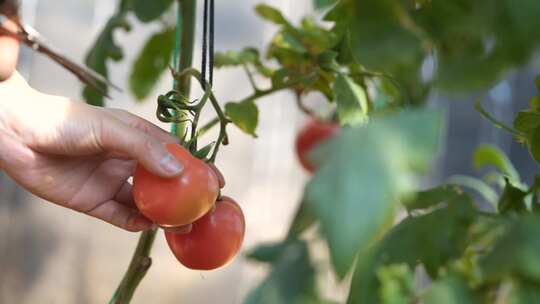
point(141, 261)
point(138, 267)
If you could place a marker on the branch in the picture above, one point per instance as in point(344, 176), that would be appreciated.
point(138, 267)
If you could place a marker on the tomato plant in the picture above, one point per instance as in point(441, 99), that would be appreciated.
point(376, 63)
point(214, 239)
point(313, 133)
point(180, 200)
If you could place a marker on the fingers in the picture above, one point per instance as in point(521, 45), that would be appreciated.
point(9, 51)
point(125, 195)
point(143, 125)
point(121, 216)
point(147, 150)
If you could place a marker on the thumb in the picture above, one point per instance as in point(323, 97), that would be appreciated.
point(116, 136)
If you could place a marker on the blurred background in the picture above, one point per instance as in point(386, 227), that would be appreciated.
point(50, 254)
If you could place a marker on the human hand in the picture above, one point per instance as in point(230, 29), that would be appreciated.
point(79, 156)
point(9, 46)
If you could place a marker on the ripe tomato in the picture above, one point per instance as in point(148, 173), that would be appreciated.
point(214, 240)
point(312, 134)
point(179, 200)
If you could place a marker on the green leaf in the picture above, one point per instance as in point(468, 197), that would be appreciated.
point(453, 289)
point(351, 101)
point(303, 219)
point(433, 239)
point(235, 58)
point(397, 284)
point(432, 197)
point(523, 292)
point(477, 185)
point(105, 48)
point(527, 121)
point(268, 252)
point(151, 62)
point(245, 115)
point(323, 3)
point(203, 152)
point(147, 11)
point(512, 199)
point(486, 155)
point(534, 144)
point(516, 252)
point(535, 190)
point(291, 280)
point(354, 194)
point(377, 33)
point(271, 14)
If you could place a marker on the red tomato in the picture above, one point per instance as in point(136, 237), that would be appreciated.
point(214, 240)
point(312, 134)
point(179, 200)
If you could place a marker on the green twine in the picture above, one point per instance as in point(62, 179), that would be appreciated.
point(176, 52)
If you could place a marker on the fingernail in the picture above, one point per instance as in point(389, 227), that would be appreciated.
point(171, 165)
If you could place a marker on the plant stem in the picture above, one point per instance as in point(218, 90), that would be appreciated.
point(222, 118)
point(257, 94)
point(139, 265)
point(141, 261)
point(250, 77)
point(301, 105)
point(183, 85)
point(494, 121)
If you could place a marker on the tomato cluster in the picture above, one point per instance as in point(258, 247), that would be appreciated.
point(312, 134)
point(217, 227)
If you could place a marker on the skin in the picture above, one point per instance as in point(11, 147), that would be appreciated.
point(9, 46)
point(79, 156)
point(73, 154)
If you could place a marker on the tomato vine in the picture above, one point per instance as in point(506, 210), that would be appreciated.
point(367, 58)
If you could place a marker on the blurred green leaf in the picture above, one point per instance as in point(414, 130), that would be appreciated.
point(397, 284)
point(355, 191)
point(351, 101)
point(377, 33)
point(147, 11)
point(527, 121)
point(512, 199)
point(452, 289)
point(533, 142)
point(235, 58)
point(432, 197)
point(271, 14)
point(485, 155)
point(516, 252)
point(522, 292)
point(245, 115)
point(318, 4)
point(477, 185)
point(151, 62)
point(292, 279)
point(432, 239)
point(105, 48)
point(303, 219)
point(268, 252)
